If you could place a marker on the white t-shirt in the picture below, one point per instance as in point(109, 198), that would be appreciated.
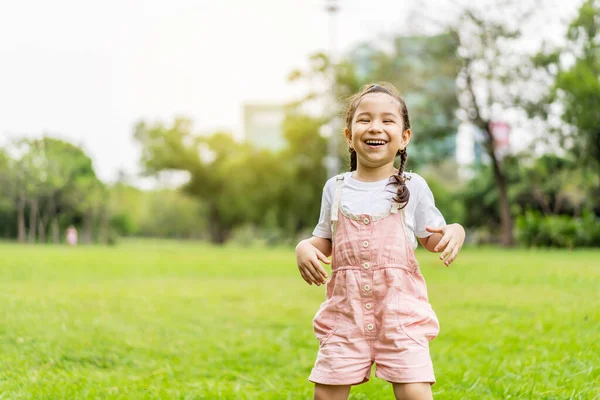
point(375, 198)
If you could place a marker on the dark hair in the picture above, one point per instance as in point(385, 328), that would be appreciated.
point(403, 193)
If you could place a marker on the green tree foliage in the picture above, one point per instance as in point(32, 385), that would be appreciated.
point(549, 186)
point(237, 183)
point(576, 86)
point(303, 173)
point(41, 178)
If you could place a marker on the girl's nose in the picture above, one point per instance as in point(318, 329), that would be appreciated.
point(376, 127)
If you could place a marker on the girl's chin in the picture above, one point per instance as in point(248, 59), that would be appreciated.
point(376, 162)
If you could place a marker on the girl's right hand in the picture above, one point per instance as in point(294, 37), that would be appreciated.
point(308, 257)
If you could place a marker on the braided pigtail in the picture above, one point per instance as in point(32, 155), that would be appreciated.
point(403, 193)
point(353, 165)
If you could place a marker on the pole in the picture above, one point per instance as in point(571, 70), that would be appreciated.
point(332, 162)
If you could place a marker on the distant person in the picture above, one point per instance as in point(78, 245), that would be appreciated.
point(376, 308)
point(72, 236)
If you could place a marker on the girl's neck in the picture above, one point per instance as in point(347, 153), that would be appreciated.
point(368, 174)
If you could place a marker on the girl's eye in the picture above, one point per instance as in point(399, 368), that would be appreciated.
point(362, 120)
point(388, 120)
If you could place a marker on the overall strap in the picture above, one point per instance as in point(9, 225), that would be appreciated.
point(339, 182)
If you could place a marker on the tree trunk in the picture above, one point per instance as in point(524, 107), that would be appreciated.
point(86, 235)
point(104, 228)
point(51, 218)
point(42, 230)
point(54, 228)
point(33, 212)
point(218, 233)
point(43, 224)
point(21, 219)
point(500, 179)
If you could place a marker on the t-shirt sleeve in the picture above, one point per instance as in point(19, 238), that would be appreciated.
point(426, 213)
point(323, 228)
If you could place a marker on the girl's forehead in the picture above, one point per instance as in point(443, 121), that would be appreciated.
point(378, 102)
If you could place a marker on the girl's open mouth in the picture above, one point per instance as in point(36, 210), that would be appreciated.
point(375, 142)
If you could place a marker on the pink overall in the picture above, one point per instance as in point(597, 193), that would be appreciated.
point(377, 310)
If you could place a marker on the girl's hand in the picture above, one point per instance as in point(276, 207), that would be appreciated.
point(453, 237)
point(308, 257)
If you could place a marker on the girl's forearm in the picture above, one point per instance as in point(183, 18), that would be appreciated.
point(324, 245)
point(431, 241)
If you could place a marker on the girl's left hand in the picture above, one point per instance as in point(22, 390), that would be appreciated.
point(453, 237)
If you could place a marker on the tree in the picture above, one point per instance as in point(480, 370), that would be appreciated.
point(64, 164)
point(216, 165)
point(303, 173)
point(487, 86)
point(7, 196)
point(575, 89)
point(39, 178)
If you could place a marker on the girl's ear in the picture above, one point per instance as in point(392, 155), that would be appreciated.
point(406, 135)
point(348, 136)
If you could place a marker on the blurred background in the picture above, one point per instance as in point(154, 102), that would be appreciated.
point(183, 146)
point(221, 121)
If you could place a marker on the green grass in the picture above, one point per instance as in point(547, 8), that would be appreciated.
point(150, 320)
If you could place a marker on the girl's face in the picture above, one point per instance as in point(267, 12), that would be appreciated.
point(377, 130)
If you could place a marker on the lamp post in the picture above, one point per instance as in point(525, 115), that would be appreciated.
point(332, 161)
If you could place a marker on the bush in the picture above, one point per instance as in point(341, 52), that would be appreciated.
point(538, 230)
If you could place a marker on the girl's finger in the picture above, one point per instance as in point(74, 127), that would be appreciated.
point(304, 276)
point(313, 275)
point(319, 268)
point(322, 257)
point(448, 250)
point(442, 244)
point(453, 255)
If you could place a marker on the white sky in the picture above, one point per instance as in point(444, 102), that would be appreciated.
point(87, 71)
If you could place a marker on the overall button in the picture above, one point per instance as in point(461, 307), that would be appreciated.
point(370, 327)
point(367, 288)
point(365, 244)
point(368, 306)
point(366, 221)
point(366, 265)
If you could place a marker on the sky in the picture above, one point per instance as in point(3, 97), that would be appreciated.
point(88, 71)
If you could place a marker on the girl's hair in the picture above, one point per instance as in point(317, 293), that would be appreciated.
point(403, 194)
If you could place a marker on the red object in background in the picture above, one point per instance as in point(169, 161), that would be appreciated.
point(501, 133)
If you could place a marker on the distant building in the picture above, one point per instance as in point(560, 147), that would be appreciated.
point(468, 150)
point(263, 125)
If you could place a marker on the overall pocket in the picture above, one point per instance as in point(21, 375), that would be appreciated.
point(417, 320)
point(325, 322)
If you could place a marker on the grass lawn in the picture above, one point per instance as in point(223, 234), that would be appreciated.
point(168, 320)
